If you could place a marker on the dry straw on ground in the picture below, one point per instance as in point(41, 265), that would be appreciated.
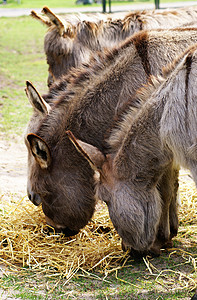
point(24, 243)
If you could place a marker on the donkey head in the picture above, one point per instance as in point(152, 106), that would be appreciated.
point(58, 43)
point(134, 213)
point(59, 178)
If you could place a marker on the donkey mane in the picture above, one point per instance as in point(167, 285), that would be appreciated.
point(86, 81)
point(168, 69)
point(65, 92)
point(78, 77)
point(123, 121)
point(95, 27)
point(140, 16)
point(124, 25)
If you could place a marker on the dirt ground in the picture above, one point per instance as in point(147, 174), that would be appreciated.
point(13, 167)
point(13, 177)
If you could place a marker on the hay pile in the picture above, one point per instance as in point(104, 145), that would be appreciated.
point(188, 210)
point(24, 242)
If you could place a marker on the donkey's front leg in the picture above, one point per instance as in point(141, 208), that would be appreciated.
point(168, 187)
point(174, 205)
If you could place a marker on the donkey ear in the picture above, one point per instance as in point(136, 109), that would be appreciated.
point(63, 26)
point(36, 100)
point(93, 155)
point(40, 150)
point(42, 19)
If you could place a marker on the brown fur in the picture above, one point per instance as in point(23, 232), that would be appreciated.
point(64, 51)
point(158, 136)
point(86, 106)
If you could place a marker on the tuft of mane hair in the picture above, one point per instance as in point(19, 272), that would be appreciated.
point(131, 109)
point(77, 77)
point(168, 69)
point(92, 27)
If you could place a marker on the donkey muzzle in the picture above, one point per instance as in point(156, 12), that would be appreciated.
point(60, 228)
point(34, 198)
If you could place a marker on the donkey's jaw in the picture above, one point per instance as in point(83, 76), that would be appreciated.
point(60, 228)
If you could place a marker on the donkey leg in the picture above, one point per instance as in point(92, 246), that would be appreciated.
point(174, 205)
point(154, 252)
point(168, 226)
point(168, 220)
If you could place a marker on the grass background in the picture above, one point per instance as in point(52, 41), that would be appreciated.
point(22, 58)
point(71, 3)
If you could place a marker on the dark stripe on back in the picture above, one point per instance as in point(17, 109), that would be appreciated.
point(188, 63)
point(141, 44)
point(141, 23)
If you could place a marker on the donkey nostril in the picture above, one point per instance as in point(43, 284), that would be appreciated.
point(34, 198)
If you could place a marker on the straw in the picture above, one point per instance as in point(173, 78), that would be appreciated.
point(24, 243)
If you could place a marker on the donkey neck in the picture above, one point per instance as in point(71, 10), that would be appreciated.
point(158, 131)
point(142, 159)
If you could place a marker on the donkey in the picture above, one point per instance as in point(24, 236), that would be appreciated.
point(142, 146)
point(194, 296)
point(60, 178)
point(69, 43)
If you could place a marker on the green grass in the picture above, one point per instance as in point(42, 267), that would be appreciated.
point(22, 58)
point(69, 3)
point(134, 281)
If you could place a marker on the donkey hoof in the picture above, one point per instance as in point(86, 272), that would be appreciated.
point(125, 248)
point(154, 252)
point(168, 244)
point(194, 297)
point(173, 232)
